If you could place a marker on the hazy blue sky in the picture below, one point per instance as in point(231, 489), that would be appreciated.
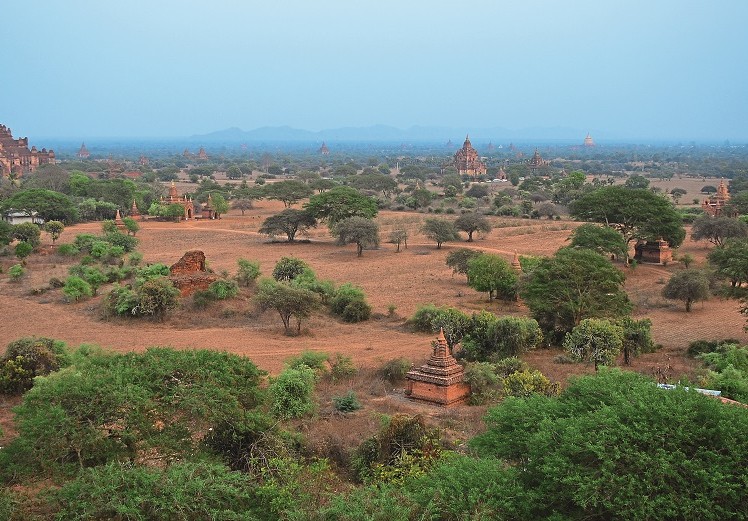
point(620, 69)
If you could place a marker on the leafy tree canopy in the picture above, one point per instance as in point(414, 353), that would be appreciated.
point(289, 222)
point(339, 203)
point(51, 206)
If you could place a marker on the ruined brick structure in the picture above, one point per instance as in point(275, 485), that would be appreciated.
point(83, 152)
point(717, 204)
point(16, 158)
point(184, 202)
point(189, 274)
point(467, 162)
point(324, 150)
point(440, 379)
point(653, 252)
point(536, 161)
point(201, 155)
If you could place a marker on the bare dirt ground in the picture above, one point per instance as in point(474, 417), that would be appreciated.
point(417, 275)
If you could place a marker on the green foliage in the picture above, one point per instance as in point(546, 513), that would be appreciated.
point(523, 384)
point(341, 367)
point(248, 272)
point(109, 226)
point(356, 311)
point(135, 258)
point(131, 225)
point(397, 237)
point(27, 358)
point(403, 448)
point(637, 337)
point(179, 492)
point(394, 370)
point(728, 365)
point(573, 285)
point(346, 403)
point(127, 242)
point(289, 222)
point(122, 301)
point(689, 285)
point(601, 239)
point(76, 288)
point(595, 340)
point(23, 250)
point(472, 222)
point(289, 301)
point(223, 289)
point(431, 319)
point(288, 268)
point(699, 347)
point(49, 205)
point(156, 297)
point(54, 229)
point(718, 229)
point(151, 272)
point(6, 233)
point(28, 233)
point(440, 231)
point(491, 338)
point(339, 203)
point(16, 272)
point(484, 382)
point(84, 242)
point(291, 393)
point(289, 192)
point(315, 360)
point(636, 213)
point(116, 407)
point(68, 250)
point(458, 260)
point(494, 275)
point(349, 302)
point(362, 232)
point(611, 439)
point(731, 260)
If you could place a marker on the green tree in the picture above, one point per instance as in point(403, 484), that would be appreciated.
point(6, 233)
point(471, 223)
point(601, 239)
point(637, 337)
point(397, 237)
point(156, 297)
point(23, 250)
point(27, 232)
point(636, 213)
point(677, 193)
point(375, 182)
point(49, 205)
point(54, 229)
point(288, 268)
point(440, 231)
point(718, 229)
point(494, 275)
point(242, 205)
point(490, 337)
point(689, 285)
point(573, 285)
point(454, 181)
point(458, 260)
point(131, 225)
point(292, 392)
point(288, 192)
point(636, 182)
point(362, 232)
point(220, 205)
point(76, 288)
point(248, 272)
point(289, 222)
point(731, 260)
point(595, 340)
point(289, 301)
point(339, 203)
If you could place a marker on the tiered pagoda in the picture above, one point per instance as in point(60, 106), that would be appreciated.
point(717, 204)
point(15, 156)
point(184, 202)
point(134, 212)
point(536, 162)
point(467, 162)
point(207, 211)
point(324, 150)
point(186, 153)
point(83, 152)
point(202, 155)
point(588, 142)
point(440, 379)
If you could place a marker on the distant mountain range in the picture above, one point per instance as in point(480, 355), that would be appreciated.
point(387, 133)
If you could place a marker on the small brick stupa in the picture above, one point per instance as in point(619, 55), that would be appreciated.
point(440, 379)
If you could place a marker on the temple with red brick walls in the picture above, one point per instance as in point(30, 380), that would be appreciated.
point(202, 155)
point(653, 252)
point(207, 211)
point(440, 379)
point(324, 150)
point(83, 152)
point(536, 161)
point(467, 162)
point(173, 198)
point(716, 205)
point(190, 274)
point(588, 142)
point(16, 158)
point(134, 212)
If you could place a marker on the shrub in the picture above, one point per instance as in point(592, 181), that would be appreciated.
point(156, 297)
point(291, 392)
point(151, 272)
point(356, 311)
point(76, 288)
point(492, 338)
point(248, 272)
point(135, 258)
point(201, 299)
point(288, 268)
point(315, 360)
point(27, 232)
point(56, 283)
point(68, 250)
point(127, 242)
point(424, 317)
point(23, 250)
point(27, 358)
point(526, 383)
point(84, 242)
point(344, 295)
point(485, 384)
point(341, 367)
point(699, 347)
point(395, 370)
point(223, 289)
point(510, 365)
point(16, 272)
point(346, 403)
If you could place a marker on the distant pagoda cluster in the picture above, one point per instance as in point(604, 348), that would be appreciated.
point(15, 156)
point(467, 161)
point(201, 154)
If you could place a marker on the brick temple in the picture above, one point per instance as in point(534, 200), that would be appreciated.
point(440, 379)
point(83, 152)
point(184, 202)
point(716, 205)
point(536, 161)
point(467, 162)
point(653, 252)
point(15, 156)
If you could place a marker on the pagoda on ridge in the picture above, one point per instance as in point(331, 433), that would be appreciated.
point(324, 150)
point(467, 162)
point(588, 142)
point(440, 379)
point(83, 152)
